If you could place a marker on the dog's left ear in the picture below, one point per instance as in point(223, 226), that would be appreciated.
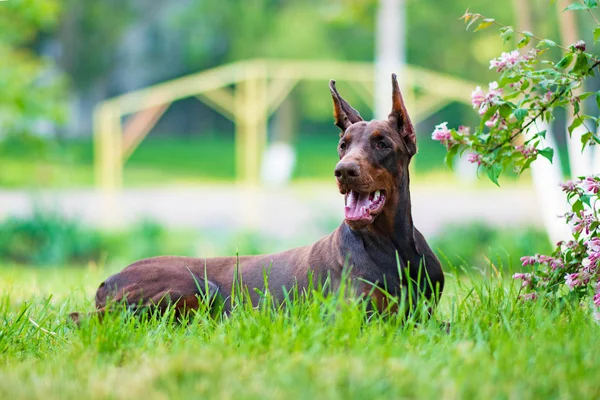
point(400, 120)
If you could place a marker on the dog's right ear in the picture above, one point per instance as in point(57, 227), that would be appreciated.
point(343, 112)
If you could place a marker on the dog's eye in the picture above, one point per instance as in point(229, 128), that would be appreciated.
point(382, 145)
point(343, 146)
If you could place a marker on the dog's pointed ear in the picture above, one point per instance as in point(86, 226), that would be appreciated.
point(400, 120)
point(343, 112)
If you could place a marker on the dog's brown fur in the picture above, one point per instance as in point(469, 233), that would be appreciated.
point(374, 156)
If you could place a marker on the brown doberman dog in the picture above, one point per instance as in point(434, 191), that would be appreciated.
point(377, 237)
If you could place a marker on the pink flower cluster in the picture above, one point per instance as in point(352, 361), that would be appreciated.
point(442, 134)
point(589, 184)
point(475, 158)
point(554, 263)
point(569, 186)
point(527, 151)
point(506, 60)
point(525, 277)
point(596, 298)
point(592, 261)
point(581, 222)
point(482, 100)
point(578, 279)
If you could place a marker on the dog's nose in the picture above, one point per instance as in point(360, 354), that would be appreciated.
point(346, 171)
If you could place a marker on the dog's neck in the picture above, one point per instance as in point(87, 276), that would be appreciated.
point(396, 223)
point(391, 232)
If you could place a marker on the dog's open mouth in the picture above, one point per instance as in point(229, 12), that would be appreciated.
point(362, 207)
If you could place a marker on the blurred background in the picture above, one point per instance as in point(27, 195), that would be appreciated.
point(134, 128)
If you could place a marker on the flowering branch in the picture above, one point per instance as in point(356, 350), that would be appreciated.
point(528, 90)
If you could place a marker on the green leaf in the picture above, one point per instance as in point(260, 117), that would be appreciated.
point(576, 107)
point(586, 198)
point(566, 61)
point(505, 110)
point(542, 133)
point(585, 139)
point(581, 64)
point(484, 24)
point(507, 34)
point(493, 172)
point(520, 114)
point(591, 3)
point(576, 7)
point(598, 99)
point(577, 207)
point(548, 152)
point(449, 159)
point(546, 43)
point(576, 122)
point(596, 34)
point(523, 42)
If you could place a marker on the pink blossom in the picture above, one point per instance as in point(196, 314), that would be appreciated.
point(492, 121)
point(475, 158)
point(516, 85)
point(593, 244)
point(506, 60)
point(569, 186)
point(593, 247)
point(548, 97)
point(528, 260)
point(582, 222)
point(464, 130)
point(556, 263)
point(526, 278)
point(579, 45)
point(483, 100)
point(572, 280)
point(591, 185)
point(527, 151)
point(494, 92)
point(442, 134)
point(544, 259)
point(597, 299)
point(528, 296)
point(477, 97)
point(531, 54)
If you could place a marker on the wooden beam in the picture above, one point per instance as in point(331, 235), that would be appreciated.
point(138, 126)
point(277, 91)
point(221, 100)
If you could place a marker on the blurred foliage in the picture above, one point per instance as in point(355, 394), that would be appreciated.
point(49, 239)
point(477, 245)
point(90, 33)
point(31, 89)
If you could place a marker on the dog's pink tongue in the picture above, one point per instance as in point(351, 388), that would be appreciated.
point(357, 205)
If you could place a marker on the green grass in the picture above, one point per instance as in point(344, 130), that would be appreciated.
point(322, 348)
point(160, 160)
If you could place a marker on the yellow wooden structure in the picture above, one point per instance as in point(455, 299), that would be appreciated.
point(247, 93)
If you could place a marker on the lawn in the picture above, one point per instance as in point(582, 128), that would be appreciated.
point(322, 348)
point(165, 160)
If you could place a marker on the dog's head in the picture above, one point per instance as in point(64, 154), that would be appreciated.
point(374, 156)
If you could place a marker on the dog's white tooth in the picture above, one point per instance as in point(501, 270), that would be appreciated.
point(377, 194)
